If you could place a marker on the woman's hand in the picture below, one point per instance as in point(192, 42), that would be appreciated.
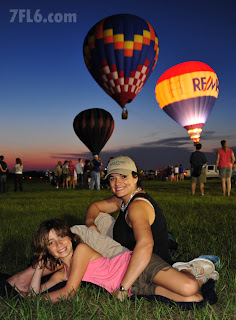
point(94, 227)
point(121, 295)
point(41, 265)
point(108, 206)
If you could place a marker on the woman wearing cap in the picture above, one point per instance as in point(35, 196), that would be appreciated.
point(141, 225)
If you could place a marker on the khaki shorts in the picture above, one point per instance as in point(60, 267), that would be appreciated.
point(225, 172)
point(101, 242)
point(201, 178)
point(144, 284)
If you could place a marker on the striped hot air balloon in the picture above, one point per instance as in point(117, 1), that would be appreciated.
point(187, 93)
point(120, 52)
point(94, 128)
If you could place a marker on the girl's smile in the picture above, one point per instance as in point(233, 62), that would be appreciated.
point(59, 246)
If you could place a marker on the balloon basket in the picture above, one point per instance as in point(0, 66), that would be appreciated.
point(124, 114)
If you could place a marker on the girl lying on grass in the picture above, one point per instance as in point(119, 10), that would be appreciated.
point(57, 248)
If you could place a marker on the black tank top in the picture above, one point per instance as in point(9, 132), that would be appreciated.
point(124, 234)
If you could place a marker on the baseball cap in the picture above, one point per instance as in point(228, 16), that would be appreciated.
point(122, 165)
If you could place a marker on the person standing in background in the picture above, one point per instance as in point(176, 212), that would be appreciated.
point(169, 172)
point(3, 175)
point(79, 170)
point(225, 159)
point(18, 170)
point(86, 174)
point(172, 174)
point(198, 162)
point(65, 174)
point(181, 172)
point(176, 170)
point(47, 176)
point(234, 173)
point(57, 174)
point(96, 165)
point(71, 169)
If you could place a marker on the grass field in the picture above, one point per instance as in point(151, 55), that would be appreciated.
point(200, 224)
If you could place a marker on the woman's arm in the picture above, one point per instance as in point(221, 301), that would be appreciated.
point(35, 283)
point(57, 277)
point(82, 256)
point(191, 159)
point(217, 161)
point(39, 272)
point(2, 168)
point(232, 158)
point(108, 206)
point(141, 215)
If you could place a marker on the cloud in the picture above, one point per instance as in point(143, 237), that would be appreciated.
point(183, 140)
point(154, 154)
point(168, 141)
point(71, 156)
point(212, 135)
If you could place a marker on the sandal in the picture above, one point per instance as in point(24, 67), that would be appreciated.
point(195, 265)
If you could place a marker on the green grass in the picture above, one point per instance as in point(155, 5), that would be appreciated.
point(201, 225)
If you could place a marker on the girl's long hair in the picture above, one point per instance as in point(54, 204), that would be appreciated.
point(41, 240)
point(224, 145)
point(18, 161)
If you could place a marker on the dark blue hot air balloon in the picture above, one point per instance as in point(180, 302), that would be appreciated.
point(121, 52)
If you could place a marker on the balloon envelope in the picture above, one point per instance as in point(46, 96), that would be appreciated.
point(120, 52)
point(94, 127)
point(187, 93)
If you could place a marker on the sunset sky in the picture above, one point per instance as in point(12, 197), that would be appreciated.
point(44, 82)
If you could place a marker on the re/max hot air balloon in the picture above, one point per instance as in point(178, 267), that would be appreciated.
point(94, 127)
point(120, 52)
point(187, 93)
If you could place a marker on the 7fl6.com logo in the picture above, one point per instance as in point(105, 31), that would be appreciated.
point(29, 16)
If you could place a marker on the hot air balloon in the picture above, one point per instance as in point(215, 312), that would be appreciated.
point(187, 93)
point(120, 52)
point(94, 127)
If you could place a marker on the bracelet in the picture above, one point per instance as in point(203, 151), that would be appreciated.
point(122, 289)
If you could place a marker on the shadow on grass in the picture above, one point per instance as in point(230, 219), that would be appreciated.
point(15, 255)
point(73, 220)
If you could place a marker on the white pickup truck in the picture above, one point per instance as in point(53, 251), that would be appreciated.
point(210, 172)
